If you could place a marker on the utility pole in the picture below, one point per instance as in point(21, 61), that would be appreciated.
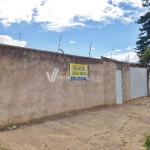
point(20, 38)
point(90, 50)
point(128, 58)
point(59, 44)
point(111, 52)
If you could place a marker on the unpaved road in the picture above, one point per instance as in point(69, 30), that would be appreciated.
point(110, 128)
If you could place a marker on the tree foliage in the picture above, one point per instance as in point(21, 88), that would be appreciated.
point(146, 3)
point(143, 41)
point(145, 57)
point(144, 36)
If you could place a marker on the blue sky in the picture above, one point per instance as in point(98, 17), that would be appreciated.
point(107, 24)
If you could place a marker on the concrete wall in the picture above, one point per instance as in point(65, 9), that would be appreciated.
point(26, 93)
point(125, 79)
point(148, 78)
point(125, 68)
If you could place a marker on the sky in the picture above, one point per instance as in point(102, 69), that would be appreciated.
point(106, 27)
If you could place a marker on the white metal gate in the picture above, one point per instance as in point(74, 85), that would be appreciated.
point(119, 91)
point(138, 82)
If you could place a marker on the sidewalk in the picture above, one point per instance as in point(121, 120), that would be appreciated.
point(109, 128)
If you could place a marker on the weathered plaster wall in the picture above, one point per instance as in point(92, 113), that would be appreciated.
point(26, 93)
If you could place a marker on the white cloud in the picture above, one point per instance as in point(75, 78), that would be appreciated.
point(73, 13)
point(127, 20)
point(59, 15)
point(117, 50)
point(130, 48)
point(4, 39)
point(72, 42)
point(134, 3)
point(130, 57)
point(16, 11)
point(92, 48)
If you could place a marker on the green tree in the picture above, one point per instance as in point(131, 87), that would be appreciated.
point(145, 57)
point(143, 41)
point(144, 36)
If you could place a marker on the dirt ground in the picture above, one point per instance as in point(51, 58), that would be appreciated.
point(109, 128)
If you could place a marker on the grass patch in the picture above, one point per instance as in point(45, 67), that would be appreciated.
point(8, 126)
point(147, 141)
point(123, 141)
point(2, 148)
